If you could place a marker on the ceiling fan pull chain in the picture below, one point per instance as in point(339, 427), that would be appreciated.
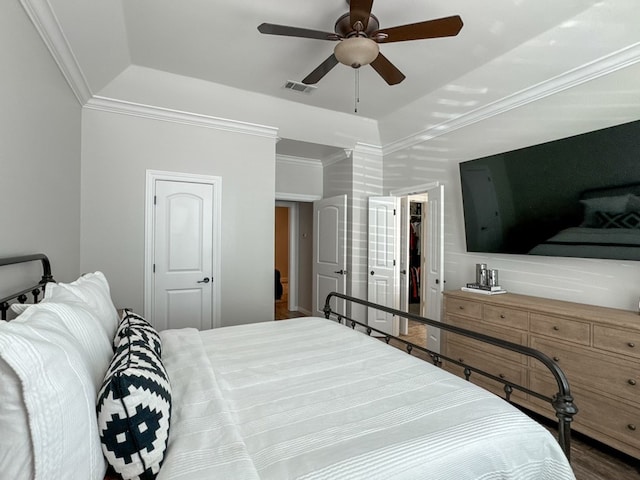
point(357, 98)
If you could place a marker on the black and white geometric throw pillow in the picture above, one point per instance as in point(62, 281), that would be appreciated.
point(134, 324)
point(134, 410)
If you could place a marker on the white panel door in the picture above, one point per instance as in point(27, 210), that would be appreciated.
point(329, 252)
point(183, 255)
point(433, 256)
point(382, 254)
point(404, 263)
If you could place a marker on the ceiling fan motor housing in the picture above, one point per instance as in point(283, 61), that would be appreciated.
point(344, 28)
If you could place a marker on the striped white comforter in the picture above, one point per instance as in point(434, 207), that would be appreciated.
point(311, 399)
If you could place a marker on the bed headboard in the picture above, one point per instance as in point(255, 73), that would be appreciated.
point(35, 290)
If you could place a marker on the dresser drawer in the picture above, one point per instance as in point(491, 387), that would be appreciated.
point(459, 306)
point(510, 335)
point(561, 328)
point(599, 415)
point(617, 340)
point(616, 377)
point(507, 317)
point(498, 367)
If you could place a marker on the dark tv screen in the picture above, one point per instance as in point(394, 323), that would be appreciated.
point(574, 197)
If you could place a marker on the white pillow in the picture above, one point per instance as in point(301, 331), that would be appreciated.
point(16, 459)
point(18, 308)
point(92, 340)
point(92, 289)
point(58, 393)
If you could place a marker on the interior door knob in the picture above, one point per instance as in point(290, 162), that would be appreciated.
point(341, 272)
point(204, 280)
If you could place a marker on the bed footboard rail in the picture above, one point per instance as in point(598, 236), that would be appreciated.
point(35, 290)
point(562, 401)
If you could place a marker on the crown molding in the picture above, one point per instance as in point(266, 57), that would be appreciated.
point(337, 157)
point(589, 71)
point(47, 25)
point(176, 116)
point(299, 161)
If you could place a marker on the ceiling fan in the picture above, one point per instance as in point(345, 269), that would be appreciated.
point(358, 34)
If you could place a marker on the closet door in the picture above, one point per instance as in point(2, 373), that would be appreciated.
point(382, 262)
point(434, 263)
point(329, 252)
point(184, 281)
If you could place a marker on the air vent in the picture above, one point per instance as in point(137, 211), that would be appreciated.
point(299, 87)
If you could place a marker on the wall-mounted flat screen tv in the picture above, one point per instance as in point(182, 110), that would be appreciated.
point(574, 197)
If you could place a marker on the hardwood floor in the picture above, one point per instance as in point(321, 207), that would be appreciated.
point(281, 312)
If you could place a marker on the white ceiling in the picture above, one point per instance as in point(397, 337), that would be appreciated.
point(505, 47)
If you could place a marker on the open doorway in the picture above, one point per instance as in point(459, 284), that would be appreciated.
point(293, 259)
point(421, 265)
point(281, 261)
point(417, 240)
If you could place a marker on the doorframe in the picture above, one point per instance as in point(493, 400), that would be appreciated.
point(289, 200)
point(408, 192)
point(415, 190)
point(149, 239)
point(294, 228)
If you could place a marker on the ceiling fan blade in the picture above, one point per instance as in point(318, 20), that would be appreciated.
point(322, 69)
point(272, 29)
point(360, 11)
point(387, 70)
point(441, 27)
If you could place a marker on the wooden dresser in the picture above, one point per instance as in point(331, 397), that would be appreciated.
point(598, 348)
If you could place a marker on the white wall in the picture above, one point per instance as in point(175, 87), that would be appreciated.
point(117, 149)
point(39, 153)
point(359, 177)
point(295, 121)
point(590, 281)
point(298, 177)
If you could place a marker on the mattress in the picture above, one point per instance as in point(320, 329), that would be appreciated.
point(311, 399)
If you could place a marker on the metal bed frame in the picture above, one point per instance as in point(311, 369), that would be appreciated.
point(562, 402)
point(23, 295)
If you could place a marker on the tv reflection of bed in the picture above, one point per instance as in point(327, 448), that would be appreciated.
point(610, 227)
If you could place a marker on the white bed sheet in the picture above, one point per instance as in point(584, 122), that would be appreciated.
point(312, 399)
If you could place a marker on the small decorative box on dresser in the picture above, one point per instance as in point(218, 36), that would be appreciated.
point(598, 348)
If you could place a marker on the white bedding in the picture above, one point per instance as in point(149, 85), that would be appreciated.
point(309, 398)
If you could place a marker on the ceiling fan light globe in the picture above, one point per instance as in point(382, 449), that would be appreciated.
point(356, 51)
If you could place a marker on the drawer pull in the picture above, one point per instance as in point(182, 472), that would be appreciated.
point(631, 344)
point(556, 359)
point(631, 427)
point(461, 307)
point(461, 360)
point(502, 315)
point(556, 328)
point(502, 375)
point(631, 381)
